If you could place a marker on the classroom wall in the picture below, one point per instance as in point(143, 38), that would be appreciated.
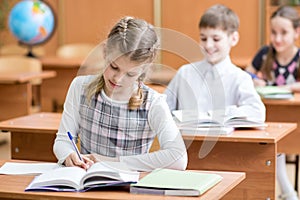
point(90, 21)
point(184, 16)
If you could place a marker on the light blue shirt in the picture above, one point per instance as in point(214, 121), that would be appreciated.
point(204, 87)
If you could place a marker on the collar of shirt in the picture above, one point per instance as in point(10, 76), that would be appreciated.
point(221, 67)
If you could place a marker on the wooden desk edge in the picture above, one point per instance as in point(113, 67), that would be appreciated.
point(59, 62)
point(235, 137)
point(26, 77)
point(17, 124)
point(232, 178)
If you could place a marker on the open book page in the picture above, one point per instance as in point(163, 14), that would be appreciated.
point(16, 168)
point(175, 182)
point(245, 123)
point(67, 177)
point(191, 119)
point(100, 174)
point(108, 172)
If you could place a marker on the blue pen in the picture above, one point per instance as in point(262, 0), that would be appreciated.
point(74, 145)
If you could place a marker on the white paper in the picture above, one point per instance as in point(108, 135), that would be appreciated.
point(15, 168)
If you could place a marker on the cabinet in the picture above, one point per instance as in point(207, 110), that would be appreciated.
point(270, 7)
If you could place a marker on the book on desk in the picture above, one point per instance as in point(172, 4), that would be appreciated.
point(191, 121)
point(99, 175)
point(175, 183)
point(274, 92)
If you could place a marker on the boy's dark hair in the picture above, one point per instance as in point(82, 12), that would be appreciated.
point(220, 16)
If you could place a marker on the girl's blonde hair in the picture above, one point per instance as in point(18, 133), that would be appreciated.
point(134, 39)
point(291, 14)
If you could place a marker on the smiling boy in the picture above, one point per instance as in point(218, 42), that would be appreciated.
point(215, 83)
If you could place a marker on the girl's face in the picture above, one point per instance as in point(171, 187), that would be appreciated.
point(120, 76)
point(216, 43)
point(283, 34)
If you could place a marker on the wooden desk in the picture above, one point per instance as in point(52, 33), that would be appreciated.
point(16, 92)
point(32, 136)
point(286, 111)
point(55, 90)
point(251, 151)
point(12, 187)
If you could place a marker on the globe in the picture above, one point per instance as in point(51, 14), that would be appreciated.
point(32, 22)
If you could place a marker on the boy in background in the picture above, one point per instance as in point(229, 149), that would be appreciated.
point(215, 83)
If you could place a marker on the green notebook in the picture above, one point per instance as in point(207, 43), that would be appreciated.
point(175, 183)
point(274, 92)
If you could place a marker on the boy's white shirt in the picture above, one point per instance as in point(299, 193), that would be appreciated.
point(232, 87)
point(172, 153)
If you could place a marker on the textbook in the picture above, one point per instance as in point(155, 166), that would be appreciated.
point(274, 92)
point(100, 174)
point(191, 120)
point(175, 183)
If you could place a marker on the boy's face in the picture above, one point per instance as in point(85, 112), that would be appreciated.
point(216, 43)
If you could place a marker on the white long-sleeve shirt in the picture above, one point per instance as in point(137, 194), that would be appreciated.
point(192, 89)
point(172, 153)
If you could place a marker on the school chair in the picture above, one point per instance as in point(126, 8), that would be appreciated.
point(21, 64)
point(15, 49)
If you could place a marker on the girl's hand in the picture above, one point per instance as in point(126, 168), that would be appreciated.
point(98, 158)
point(259, 82)
point(74, 160)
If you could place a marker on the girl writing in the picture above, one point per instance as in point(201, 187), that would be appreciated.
point(116, 115)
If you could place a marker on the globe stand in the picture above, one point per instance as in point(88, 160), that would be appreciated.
point(30, 54)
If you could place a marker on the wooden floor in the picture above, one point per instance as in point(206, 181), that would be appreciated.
point(5, 154)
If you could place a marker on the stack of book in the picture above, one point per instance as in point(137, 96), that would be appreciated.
point(274, 92)
point(191, 121)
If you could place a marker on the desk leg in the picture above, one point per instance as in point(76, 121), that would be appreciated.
point(32, 146)
point(257, 160)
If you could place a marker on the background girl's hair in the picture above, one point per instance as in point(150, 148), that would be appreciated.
point(220, 16)
point(130, 37)
point(291, 14)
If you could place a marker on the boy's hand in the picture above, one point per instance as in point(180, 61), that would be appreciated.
point(73, 160)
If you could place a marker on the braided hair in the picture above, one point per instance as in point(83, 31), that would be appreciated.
point(134, 39)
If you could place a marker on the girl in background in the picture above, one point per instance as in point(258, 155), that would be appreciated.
point(278, 64)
